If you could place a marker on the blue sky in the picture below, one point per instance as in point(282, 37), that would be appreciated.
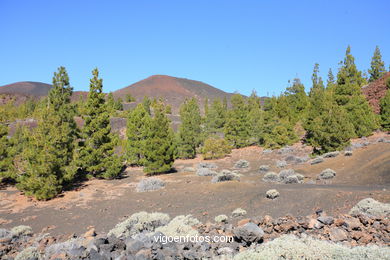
point(232, 45)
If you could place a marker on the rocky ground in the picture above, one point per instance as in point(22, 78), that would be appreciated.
point(287, 184)
point(362, 234)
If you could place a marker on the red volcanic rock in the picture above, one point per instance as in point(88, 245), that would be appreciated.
point(375, 91)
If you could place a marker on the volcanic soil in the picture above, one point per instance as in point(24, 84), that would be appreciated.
point(104, 203)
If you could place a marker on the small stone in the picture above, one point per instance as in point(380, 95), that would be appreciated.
point(243, 222)
point(90, 233)
point(331, 154)
point(337, 234)
point(327, 220)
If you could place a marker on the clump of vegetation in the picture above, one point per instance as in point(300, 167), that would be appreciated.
point(129, 98)
point(292, 247)
point(215, 148)
point(150, 184)
point(138, 222)
point(180, 226)
point(238, 212)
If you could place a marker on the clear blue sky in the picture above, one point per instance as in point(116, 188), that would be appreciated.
point(232, 45)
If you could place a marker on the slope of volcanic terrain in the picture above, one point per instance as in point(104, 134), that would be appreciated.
point(375, 91)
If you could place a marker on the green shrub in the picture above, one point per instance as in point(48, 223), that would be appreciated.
point(215, 148)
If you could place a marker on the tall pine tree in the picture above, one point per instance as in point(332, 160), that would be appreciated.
point(348, 94)
point(377, 69)
point(160, 149)
point(96, 155)
point(256, 119)
point(237, 124)
point(215, 118)
point(189, 135)
point(50, 150)
point(138, 121)
point(329, 131)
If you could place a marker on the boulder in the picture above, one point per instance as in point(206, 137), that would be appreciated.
point(248, 233)
point(326, 220)
point(337, 234)
point(348, 153)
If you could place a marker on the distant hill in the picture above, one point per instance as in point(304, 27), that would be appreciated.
point(26, 88)
point(375, 91)
point(172, 90)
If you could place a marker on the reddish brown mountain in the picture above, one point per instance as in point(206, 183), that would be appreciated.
point(26, 88)
point(375, 91)
point(172, 90)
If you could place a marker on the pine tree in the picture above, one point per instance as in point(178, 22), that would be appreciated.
point(316, 101)
point(147, 103)
point(96, 155)
point(318, 84)
point(189, 135)
point(330, 81)
point(160, 149)
point(138, 121)
point(256, 119)
point(377, 69)
point(297, 100)
point(49, 153)
point(349, 95)
point(112, 104)
point(385, 108)
point(278, 130)
point(237, 124)
point(329, 131)
point(215, 118)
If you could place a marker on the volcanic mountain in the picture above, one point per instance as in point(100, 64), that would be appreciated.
point(172, 90)
point(26, 88)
